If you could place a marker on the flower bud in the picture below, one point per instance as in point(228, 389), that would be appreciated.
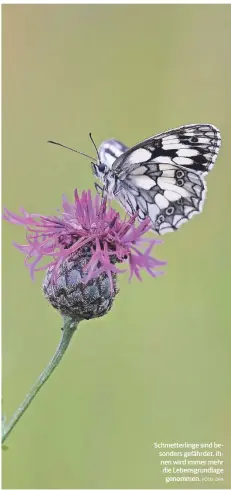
point(72, 296)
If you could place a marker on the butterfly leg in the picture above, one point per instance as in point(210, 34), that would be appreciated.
point(99, 189)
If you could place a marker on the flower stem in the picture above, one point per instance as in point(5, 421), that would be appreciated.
point(68, 330)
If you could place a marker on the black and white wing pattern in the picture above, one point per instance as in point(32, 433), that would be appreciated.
point(163, 176)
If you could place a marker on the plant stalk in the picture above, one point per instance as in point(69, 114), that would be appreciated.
point(68, 330)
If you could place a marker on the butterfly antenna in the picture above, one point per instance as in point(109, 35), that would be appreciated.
point(72, 149)
point(94, 146)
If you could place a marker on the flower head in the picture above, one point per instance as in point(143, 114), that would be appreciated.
point(84, 243)
point(87, 222)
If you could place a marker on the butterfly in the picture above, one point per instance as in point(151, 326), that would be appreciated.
point(163, 176)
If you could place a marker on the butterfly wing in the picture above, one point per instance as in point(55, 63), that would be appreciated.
point(110, 150)
point(169, 196)
point(195, 145)
point(162, 177)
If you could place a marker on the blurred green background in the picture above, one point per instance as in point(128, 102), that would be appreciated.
point(157, 368)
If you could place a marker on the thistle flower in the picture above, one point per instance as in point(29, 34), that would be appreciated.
point(83, 244)
point(82, 247)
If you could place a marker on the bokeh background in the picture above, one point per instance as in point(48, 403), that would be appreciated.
point(157, 368)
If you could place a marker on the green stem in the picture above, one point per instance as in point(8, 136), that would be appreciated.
point(68, 330)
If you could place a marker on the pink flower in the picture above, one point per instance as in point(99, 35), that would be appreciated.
point(88, 222)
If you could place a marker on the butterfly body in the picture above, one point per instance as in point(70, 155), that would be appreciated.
point(163, 176)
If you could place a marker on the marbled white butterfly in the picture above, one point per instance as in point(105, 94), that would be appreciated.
point(163, 176)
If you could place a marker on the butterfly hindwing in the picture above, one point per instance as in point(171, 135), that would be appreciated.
point(167, 204)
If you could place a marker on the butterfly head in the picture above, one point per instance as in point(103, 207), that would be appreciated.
point(107, 153)
point(99, 170)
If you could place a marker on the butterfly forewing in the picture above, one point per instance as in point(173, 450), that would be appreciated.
point(196, 145)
